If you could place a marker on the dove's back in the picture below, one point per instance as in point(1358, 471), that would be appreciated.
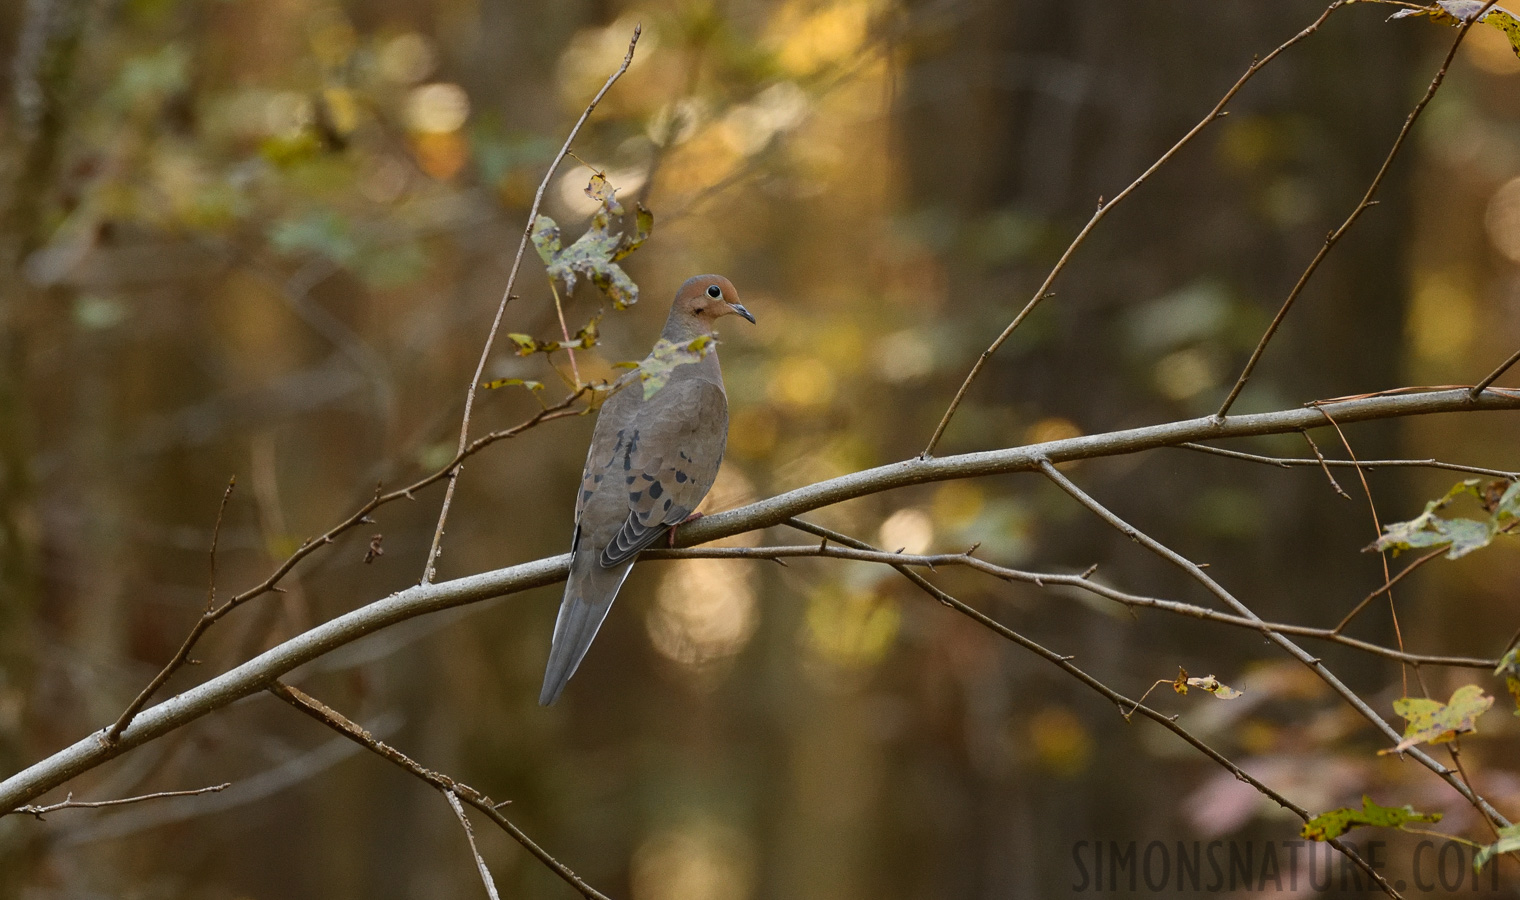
point(650, 463)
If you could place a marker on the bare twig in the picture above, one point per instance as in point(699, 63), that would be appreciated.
point(213, 613)
point(469, 833)
point(1314, 663)
point(70, 803)
point(1325, 466)
point(1119, 700)
point(428, 570)
point(1365, 204)
point(1377, 531)
point(452, 789)
point(1388, 583)
point(1286, 462)
point(1494, 375)
point(1103, 208)
point(1068, 580)
point(183, 654)
point(255, 674)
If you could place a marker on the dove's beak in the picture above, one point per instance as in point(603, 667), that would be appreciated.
point(739, 308)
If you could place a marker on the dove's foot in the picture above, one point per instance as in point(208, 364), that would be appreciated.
point(670, 537)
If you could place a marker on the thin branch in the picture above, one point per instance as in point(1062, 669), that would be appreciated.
point(1314, 663)
point(1366, 203)
point(448, 786)
point(1286, 462)
point(360, 516)
point(429, 570)
point(1103, 208)
point(469, 833)
point(1494, 375)
point(1320, 457)
point(255, 674)
point(1388, 583)
point(70, 803)
point(183, 655)
point(1067, 580)
point(1120, 701)
point(1377, 531)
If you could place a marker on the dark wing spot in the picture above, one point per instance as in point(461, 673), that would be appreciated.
point(667, 503)
point(632, 478)
point(634, 497)
point(655, 490)
point(680, 477)
point(585, 495)
point(647, 477)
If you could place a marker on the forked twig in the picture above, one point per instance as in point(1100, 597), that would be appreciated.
point(360, 516)
point(429, 569)
point(1494, 375)
point(1044, 290)
point(340, 723)
point(1366, 203)
point(1314, 663)
point(1119, 700)
point(70, 803)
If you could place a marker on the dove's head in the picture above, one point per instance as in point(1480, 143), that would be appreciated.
point(705, 299)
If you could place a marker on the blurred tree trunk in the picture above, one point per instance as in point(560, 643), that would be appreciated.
point(46, 48)
point(1028, 112)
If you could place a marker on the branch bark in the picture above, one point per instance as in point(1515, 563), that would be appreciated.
point(261, 671)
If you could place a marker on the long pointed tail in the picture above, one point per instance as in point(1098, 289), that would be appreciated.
point(589, 593)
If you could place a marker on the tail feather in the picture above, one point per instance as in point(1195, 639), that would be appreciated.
point(589, 593)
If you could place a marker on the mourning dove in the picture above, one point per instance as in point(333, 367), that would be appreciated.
point(652, 460)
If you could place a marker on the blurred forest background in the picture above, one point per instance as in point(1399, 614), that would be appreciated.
point(267, 238)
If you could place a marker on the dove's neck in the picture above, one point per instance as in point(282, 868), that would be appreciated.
point(683, 329)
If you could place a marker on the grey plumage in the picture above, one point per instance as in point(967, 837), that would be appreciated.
point(650, 463)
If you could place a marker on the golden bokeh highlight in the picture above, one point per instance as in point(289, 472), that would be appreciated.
point(1442, 318)
point(910, 530)
point(850, 628)
point(701, 860)
point(1062, 744)
point(802, 383)
point(704, 611)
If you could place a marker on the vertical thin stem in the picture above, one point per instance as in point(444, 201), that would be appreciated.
point(429, 569)
point(1044, 290)
point(1366, 203)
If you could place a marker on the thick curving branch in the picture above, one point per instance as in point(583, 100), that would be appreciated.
point(261, 671)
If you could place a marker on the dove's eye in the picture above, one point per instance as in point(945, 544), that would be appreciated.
point(714, 292)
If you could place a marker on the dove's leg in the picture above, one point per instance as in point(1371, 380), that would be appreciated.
point(670, 537)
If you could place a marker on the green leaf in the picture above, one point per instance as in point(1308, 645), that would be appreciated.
point(1508, 842)
point(1455, 12)
point(527, 345)
point(1430, 530)
point(1466, 535)
point(584, 339)
point(657, 367)
point(601, 190)
point(1508, 507)
point(1509, 667)
point(545, 237)
point(1336, 822)
point(643, 224)
point(594, 255)
point(506, 382)
point(1430, 721)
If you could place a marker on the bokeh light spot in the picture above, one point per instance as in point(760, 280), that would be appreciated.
point(909, 529)
point(437, 108)
point(704, 611)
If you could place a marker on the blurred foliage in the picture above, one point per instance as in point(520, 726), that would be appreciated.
point(269, 239)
